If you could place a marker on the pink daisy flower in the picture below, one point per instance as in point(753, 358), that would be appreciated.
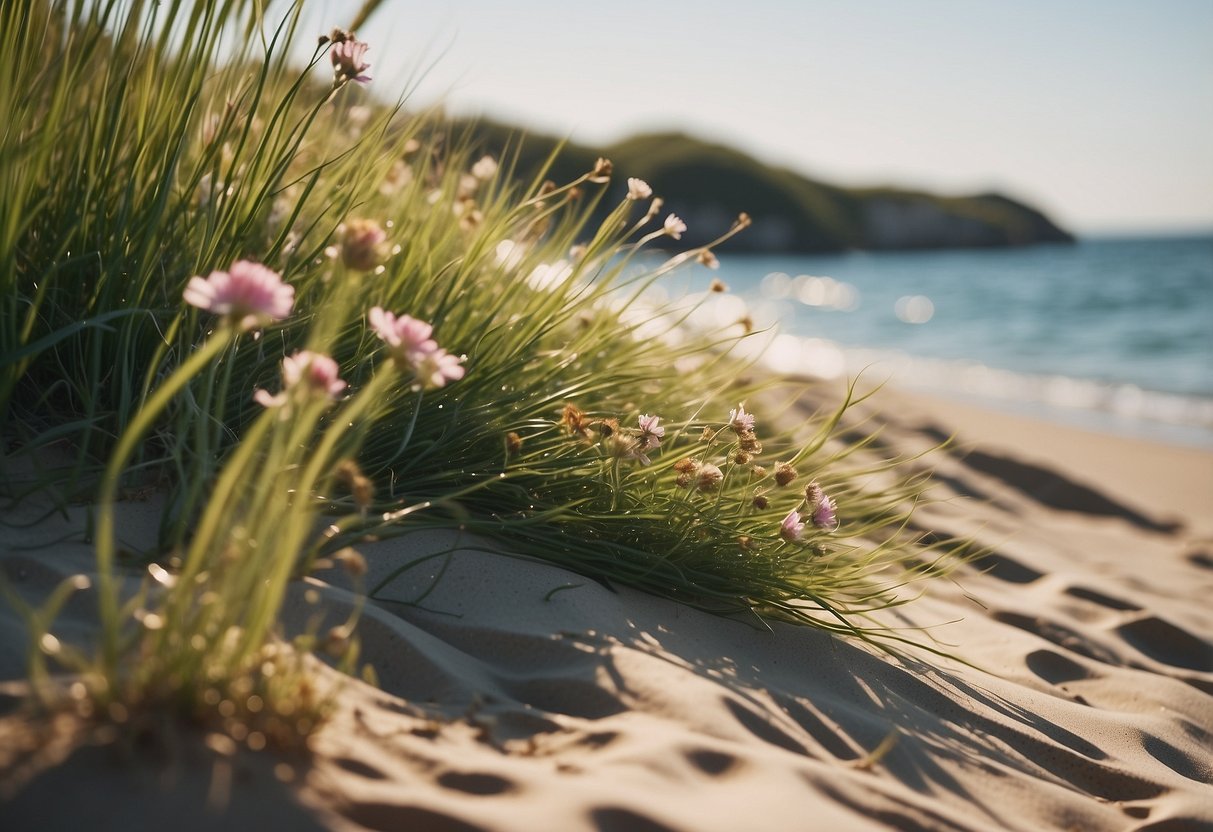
point(791, 529)
point(248, 294)
point(413, 349)
point(740, 421)
point(403, 335)
point(348, 62)
point(825, 514)
point(436, 368)
point(315, 372)
point(651, 432)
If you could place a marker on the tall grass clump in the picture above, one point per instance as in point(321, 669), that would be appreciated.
point(305, 318)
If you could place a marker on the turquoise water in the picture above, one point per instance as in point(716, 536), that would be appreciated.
point(1113, 334)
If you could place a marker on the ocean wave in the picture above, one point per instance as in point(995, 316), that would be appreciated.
point(1124, 402)
point(1117, 406)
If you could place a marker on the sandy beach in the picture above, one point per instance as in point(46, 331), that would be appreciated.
point(520, 696)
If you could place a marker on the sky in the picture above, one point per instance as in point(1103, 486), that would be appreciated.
point(1100, 112)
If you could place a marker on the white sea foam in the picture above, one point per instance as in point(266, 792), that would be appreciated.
point(1126, 407)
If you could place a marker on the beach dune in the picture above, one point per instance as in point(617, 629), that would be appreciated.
point(516, 695)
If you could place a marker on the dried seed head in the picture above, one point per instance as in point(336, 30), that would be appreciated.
point(784, 473)
point(359, 485)
point(513, 443)
point(683, 480)
point(607, 427)
point(709, 477)
point(761, 501)
point(363, 244)
point(813, 495)
point(717, 285)
point(758, 472)
point(622, 446)
point(686, 466)
point(353, 562)
point(337, 641)
point(573, 420)
point(707, 435)
point(749, 442)
point(742, 458)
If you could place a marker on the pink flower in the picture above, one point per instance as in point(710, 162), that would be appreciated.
point(674, 226)
point(825, 514)
point(404, 335)
point(312, 372)
point(740, 421)
point(248, 295)
point(348, 63)
point(651, 433)
point(413, 349)
point(791, 529)
point(436, 368)
point(316, 370)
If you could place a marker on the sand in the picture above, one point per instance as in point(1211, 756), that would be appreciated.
point(1089, 705)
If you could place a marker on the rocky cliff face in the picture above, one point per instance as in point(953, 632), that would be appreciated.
point(917, 222)
point(709, 184)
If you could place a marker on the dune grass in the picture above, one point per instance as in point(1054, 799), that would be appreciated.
point(457, 347)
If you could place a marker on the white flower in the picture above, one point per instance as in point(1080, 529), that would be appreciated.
point(674, 226)
point(638, 188)
point(485, 169)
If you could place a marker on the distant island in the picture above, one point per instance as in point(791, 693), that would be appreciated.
point(708, 184)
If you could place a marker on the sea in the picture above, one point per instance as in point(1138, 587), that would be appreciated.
point(1112, 334)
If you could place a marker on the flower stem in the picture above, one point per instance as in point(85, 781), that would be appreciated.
point(127, 445)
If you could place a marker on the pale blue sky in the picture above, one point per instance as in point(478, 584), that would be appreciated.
point(1099, 111)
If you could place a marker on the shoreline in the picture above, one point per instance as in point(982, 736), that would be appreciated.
point(1165, 477)
point(1098, 421)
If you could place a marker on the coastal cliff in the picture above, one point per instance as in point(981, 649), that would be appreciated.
point(708, 184)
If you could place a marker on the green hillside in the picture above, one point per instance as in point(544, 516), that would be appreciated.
point(708, 184)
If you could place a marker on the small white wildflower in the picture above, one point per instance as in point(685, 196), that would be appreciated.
point(485, 169)
point(674, 226)
point(638, 189)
